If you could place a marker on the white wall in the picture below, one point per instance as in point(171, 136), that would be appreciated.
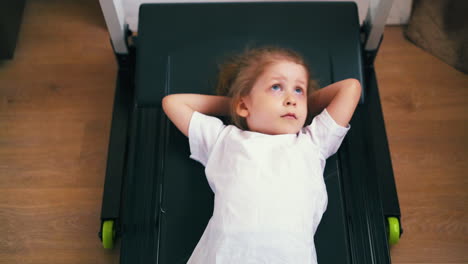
point(398, 15)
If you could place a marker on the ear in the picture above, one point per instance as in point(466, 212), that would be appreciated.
point(241, 109)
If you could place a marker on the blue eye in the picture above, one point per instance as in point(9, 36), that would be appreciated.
point(276, 87)
point(299, 90)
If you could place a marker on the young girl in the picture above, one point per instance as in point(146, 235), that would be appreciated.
point(266, 169)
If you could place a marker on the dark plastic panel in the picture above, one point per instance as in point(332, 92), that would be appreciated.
point(192, 30)
point(168, 201)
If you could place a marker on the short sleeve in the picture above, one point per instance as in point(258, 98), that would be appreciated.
point(203, 133)
point(326, 133)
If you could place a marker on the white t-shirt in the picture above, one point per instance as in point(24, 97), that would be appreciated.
point(269, 190)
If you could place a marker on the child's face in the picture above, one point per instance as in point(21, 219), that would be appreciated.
point(277, 103)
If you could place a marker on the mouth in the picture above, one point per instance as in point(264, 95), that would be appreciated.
point(289, 116)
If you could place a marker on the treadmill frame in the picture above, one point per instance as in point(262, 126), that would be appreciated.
point(385, 197)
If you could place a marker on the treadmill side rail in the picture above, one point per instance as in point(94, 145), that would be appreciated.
point(379, 144)
point(117, 148)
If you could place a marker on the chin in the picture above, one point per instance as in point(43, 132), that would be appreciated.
point(293, 132)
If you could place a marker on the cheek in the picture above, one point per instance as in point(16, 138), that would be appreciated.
point(264, 104)
point(304, 101)
point(304, 107)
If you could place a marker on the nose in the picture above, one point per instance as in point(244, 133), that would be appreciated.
point(289, 100)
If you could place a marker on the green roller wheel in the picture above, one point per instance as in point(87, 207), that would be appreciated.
point(108, 234)
point(393, 230)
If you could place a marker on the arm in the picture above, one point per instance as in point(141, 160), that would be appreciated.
point(180, 107)
point(340, 99)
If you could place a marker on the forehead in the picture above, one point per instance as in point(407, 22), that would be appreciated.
point(289, 71)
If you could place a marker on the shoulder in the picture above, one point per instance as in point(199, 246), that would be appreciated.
point(326, 133)
point(198, 117)
point(325, 121)
point(201, 124)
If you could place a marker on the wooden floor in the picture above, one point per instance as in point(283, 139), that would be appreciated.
point(55, 110)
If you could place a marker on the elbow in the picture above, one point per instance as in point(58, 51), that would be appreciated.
point(355, 87)
point(166, 102)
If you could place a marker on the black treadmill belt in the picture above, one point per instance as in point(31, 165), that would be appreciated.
point(178, 51)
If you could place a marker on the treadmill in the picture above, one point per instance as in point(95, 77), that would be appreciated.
point(157, 201)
